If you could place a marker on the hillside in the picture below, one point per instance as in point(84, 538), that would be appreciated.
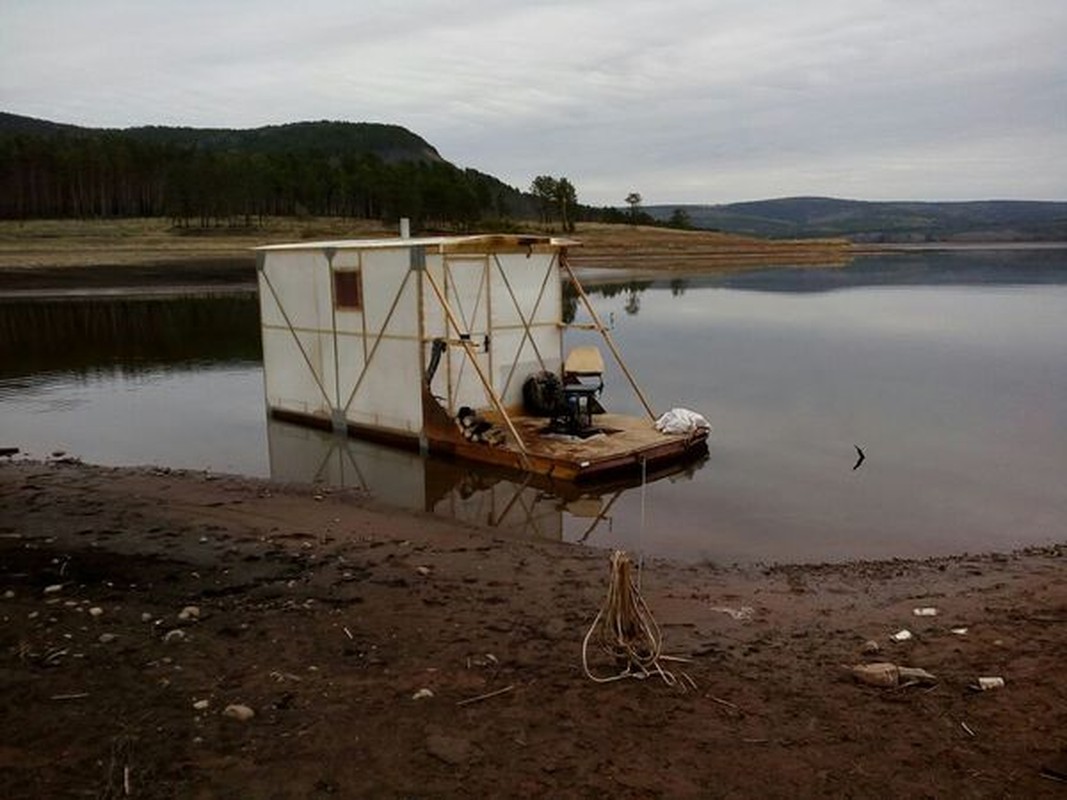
point(865, 221)
point(205, 176)
point(390, 143)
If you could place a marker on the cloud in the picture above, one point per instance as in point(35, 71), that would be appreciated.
point(682, 101)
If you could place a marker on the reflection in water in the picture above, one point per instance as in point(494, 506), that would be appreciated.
point(609, 289)
point(131, 380)
point(191, 417)
point(1021, 267)
point(519, 505)
point(134, 334)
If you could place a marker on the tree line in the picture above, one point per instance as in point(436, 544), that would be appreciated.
point(112, 174)
point(212, 177)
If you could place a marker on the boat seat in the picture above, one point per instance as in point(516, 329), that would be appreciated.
point(585, 360)
point(583, 381)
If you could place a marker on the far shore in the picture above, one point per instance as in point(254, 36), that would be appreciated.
point(35, 244)
point(151, 257)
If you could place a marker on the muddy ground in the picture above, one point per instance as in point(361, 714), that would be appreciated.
point(326, 615)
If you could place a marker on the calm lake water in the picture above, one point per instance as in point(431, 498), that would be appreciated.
point(948, 369)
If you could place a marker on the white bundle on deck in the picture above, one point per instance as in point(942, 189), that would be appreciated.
point(681, 420)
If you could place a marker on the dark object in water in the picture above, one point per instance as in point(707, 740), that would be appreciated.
point(859, 460)
point(9, 451)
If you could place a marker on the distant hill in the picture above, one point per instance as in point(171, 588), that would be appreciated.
point(390, 143)
point(364, 170)
point(14, 124)
point(326, 168)
point(864, 221)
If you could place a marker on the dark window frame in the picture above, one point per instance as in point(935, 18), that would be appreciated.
point(348, 289)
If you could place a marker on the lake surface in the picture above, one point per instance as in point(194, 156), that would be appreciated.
point(948, 369)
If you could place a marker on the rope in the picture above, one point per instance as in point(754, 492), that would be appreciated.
point(641, 532)
point(625, 630)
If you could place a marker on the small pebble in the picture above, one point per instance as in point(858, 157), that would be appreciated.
point(107, 638)
point(422, 694)
point(424, 571)
point(55, 587)
point(200, 705)
point(238, 712)
point(188, 613)
point(96, 611)
point(146, 617)
point(9, 594)
point(870, 648)
point(175, 635)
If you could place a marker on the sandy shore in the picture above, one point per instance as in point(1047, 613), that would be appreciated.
point(85, 256)
point(326, 614)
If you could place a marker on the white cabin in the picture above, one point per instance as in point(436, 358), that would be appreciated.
point(349, 327)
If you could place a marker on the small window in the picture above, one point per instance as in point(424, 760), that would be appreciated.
point(347, 290)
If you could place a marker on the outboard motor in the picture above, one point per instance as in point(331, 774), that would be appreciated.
point(542, 395)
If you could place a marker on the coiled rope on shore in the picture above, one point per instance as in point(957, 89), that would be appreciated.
point(626, 631)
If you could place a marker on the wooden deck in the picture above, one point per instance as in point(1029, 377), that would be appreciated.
point(625, 443)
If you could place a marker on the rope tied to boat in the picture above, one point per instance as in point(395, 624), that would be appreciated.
point(626, 631)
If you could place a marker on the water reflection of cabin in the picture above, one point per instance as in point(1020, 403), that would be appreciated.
point(393, 340)
point(463, 490)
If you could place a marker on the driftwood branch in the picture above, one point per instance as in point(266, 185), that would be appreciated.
point(485, 696)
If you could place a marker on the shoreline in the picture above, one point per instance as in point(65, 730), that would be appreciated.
point(326, 612)
point(18, 458)
point(146, 257)
point(141, 258)
point(72, 254)
point(861, 248)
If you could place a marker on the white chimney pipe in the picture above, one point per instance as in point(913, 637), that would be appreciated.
point(405, 228)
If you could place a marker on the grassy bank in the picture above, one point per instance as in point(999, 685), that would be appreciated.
point(85, 243)
point(660, 249)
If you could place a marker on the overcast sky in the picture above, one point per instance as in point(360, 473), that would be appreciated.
point(684, 101)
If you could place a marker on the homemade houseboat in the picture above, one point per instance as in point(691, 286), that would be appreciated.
point(452, 345)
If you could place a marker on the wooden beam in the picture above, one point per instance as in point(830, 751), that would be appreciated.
point(607, 337)
point(465, 343)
